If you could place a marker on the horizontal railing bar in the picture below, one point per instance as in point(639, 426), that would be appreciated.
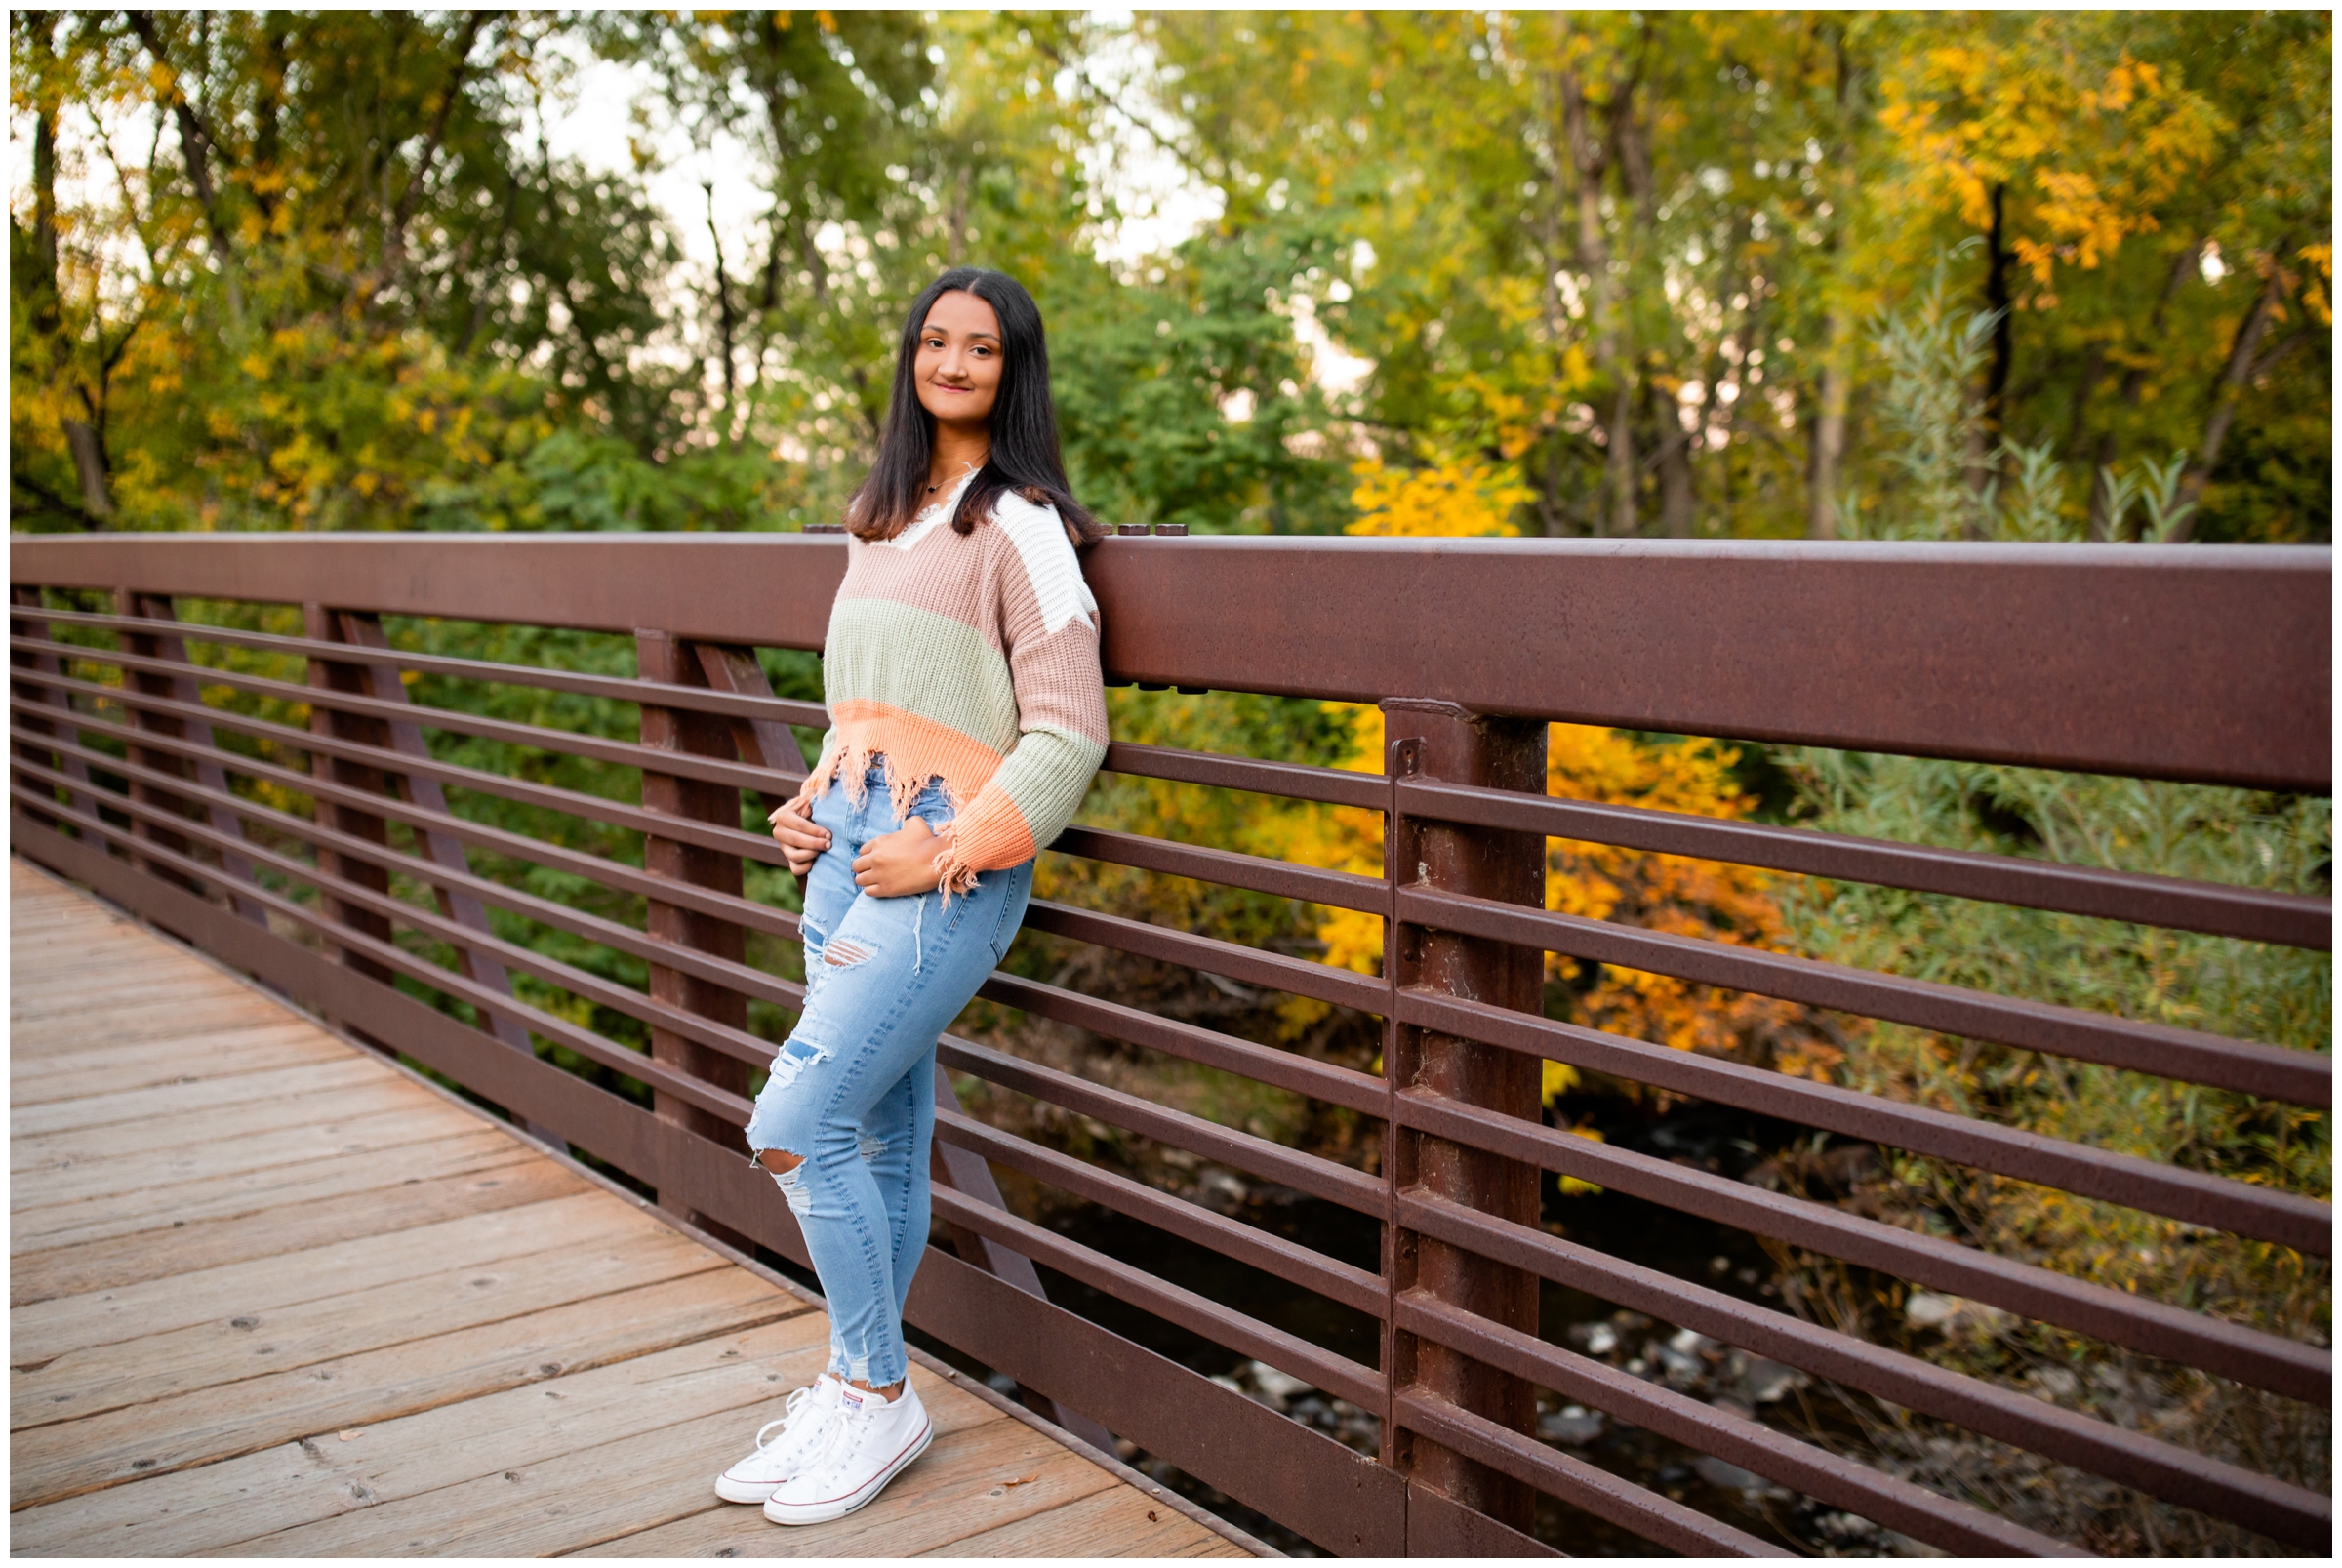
point(568, 802)
point(1338, 890)
point(2194, 1196)
point(1657, 1518)
point(2229, 1349)
point(2300, 1077)
point(619, 688)
point(704, 901)
point(2201, 661)
point(1283, 1069)
point(1354, 1288)
point(2253, 914)
point(1328, 786)
point(593, 1047)
point(1337, 1374)
point(537, 737)
point(1211, 955)
point(1238, 871)
point(737, 1044)
point(1304, 1172)
point(610, 934)
point(1332, 786)
point(1842, 1482)
point(2099, 1447)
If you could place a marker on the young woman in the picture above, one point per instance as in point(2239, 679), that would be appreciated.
point(967, 715)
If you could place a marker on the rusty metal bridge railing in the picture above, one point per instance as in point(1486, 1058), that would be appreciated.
point(2194, 663)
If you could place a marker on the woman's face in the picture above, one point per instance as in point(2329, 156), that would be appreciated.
point(958, 368)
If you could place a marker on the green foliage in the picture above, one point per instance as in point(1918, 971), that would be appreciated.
point(2220, 986)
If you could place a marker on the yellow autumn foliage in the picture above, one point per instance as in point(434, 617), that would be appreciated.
point(1456, 498)
point(1667, 893)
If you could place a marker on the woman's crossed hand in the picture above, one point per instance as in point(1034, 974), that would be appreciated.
point(894, 866)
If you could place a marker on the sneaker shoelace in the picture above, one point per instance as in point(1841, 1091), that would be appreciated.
point(838, 1440)
point(789, 1412)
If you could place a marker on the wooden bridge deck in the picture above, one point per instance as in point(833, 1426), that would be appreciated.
point(271, 1296)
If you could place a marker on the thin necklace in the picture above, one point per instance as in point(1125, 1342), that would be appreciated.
point(963, 467)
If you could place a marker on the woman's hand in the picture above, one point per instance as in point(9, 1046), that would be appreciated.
point(901, 863)
point(801, 842)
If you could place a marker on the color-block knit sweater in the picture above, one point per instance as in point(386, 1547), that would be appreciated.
point(972, 658)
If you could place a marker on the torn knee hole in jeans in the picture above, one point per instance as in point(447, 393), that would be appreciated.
point(796, 1056)
point(870, 1145)
point(792, 1183)
point(845, 955)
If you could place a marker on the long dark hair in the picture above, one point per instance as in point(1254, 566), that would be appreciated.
point(1025, 455)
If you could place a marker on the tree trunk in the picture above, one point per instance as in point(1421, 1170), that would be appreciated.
point(724, 321)
point(2229, 390)
point(1829, 430)
point(1677, 501)
point(1588, 159)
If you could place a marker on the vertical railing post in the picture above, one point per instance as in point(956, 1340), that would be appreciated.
point(1442, 740)
point(348, 675)
point(382, 683)
point(659, 656)
point(211, 775)
point(147, 684)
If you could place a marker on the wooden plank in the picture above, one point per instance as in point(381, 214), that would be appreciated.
point(602, 1493)
point(198, 1058)
point(1120, 1521)
point(257, 1286)
point(320, 1478)
point(69, 1032)
point(135, 971)
point(462, 1295)
point(156, 1174)
point(515, 1177)
point(191, 1093)
point(224, 1128)
point(133, 976)
point(213, 1424)
point(115, 1214)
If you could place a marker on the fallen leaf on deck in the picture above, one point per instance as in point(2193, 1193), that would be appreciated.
point(352, 1431)
point(1023, 1479)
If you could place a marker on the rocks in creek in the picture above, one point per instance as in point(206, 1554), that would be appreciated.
point(1729, 1477)
point(1271, 1386)
point(2054, 1383)
point(1573, 1426)
point(1683, 1362)
point(1596, 1339)
point(1949, 1315)
point(1757, 1382)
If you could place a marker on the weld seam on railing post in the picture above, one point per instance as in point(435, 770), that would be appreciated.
point(1452, 744)
point(669, 659)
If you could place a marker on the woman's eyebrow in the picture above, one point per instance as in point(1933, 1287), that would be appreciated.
point(932, 330)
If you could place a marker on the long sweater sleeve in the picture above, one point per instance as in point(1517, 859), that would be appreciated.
point(1049, 630)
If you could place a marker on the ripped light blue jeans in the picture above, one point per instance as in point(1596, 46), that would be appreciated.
point(852, 1090)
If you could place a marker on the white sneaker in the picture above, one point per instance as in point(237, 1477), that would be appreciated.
point(866, 1443)
point(780, 1454)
